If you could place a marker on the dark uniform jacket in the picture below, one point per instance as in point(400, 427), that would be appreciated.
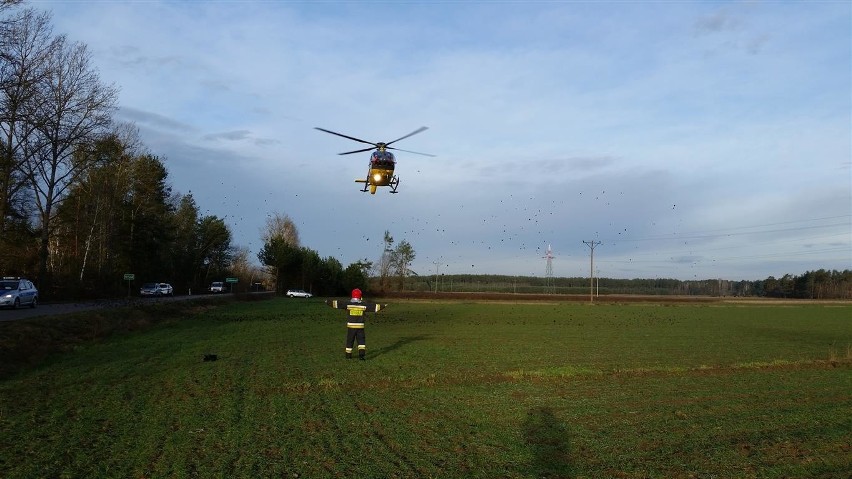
point(356, 310)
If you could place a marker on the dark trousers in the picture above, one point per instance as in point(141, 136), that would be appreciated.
point(353, 334)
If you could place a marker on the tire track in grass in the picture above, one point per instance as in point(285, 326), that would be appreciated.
point(570, 371)
point(328, 428)
point(396, 451)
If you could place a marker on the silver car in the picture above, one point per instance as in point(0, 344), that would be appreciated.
point(156, 289)
point(16, 292)
point(298, 293)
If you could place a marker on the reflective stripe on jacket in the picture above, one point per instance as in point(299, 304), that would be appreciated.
point(356, 311)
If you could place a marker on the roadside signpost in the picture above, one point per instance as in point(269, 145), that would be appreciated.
point(231, 282)
point(129, 277)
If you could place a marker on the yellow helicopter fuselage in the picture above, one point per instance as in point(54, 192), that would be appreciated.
point(380, 172)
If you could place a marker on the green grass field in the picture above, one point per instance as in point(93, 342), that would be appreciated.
point(449, 389)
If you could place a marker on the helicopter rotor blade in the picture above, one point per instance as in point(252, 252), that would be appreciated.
point(357, 151)
point(377, 145)
point(350, 137)
point(409, 151)
point(419, 130)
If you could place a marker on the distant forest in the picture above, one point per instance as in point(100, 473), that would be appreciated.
point(820, 284)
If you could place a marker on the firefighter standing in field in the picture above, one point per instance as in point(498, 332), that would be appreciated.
point(356, 309)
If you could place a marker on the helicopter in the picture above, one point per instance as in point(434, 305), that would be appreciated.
point(382, 162)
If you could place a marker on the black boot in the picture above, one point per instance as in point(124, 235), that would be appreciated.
point(348, 355)
point(362, 356)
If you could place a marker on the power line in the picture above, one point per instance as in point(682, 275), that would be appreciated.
point(698, 250)
point(731, 231)
point(682, 236)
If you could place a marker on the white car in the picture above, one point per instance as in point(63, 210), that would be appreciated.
point(298, 293)
point(217, 287)
point(16, 292)
point(165, 289)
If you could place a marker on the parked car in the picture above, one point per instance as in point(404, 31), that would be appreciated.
point(217, 287)
point(150, 289)
point(298, 293)
point(166, 289)
point(16, 292)
point(156, 289)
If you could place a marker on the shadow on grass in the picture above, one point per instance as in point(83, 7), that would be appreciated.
point(548, 440)
point(402, 342)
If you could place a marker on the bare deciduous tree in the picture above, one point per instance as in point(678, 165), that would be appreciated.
point(242, 267)
point(75, 108)
point(4, 4)
point(26, 43)
point(281, 226)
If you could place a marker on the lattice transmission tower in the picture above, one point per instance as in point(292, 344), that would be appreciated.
point(549, 287)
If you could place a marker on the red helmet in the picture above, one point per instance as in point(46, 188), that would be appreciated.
point(356, 294)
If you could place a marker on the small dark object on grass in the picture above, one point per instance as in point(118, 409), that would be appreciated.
point(210, 357)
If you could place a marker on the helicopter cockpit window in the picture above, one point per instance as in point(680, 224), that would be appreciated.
point(382, 158)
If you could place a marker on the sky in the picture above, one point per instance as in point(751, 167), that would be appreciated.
point(685, 140)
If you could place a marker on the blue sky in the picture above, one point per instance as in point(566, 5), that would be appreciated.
point(694, 140)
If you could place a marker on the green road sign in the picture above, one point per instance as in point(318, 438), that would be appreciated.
point(230, 280)
point(129, 276)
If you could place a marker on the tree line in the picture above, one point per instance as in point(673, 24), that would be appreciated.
point(820, 284)
point(299, 267)
point(81, 200)
point(293, 266)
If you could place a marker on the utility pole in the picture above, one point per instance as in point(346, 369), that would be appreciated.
point(437, 267)
point(591, 245)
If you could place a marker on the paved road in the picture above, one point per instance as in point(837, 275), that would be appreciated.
point(65, 308)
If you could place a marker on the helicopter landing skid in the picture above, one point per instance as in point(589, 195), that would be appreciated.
point(393, 185)
point(366, 184)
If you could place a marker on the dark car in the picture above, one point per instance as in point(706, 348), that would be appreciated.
point(150, 289)
point(16, 292)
